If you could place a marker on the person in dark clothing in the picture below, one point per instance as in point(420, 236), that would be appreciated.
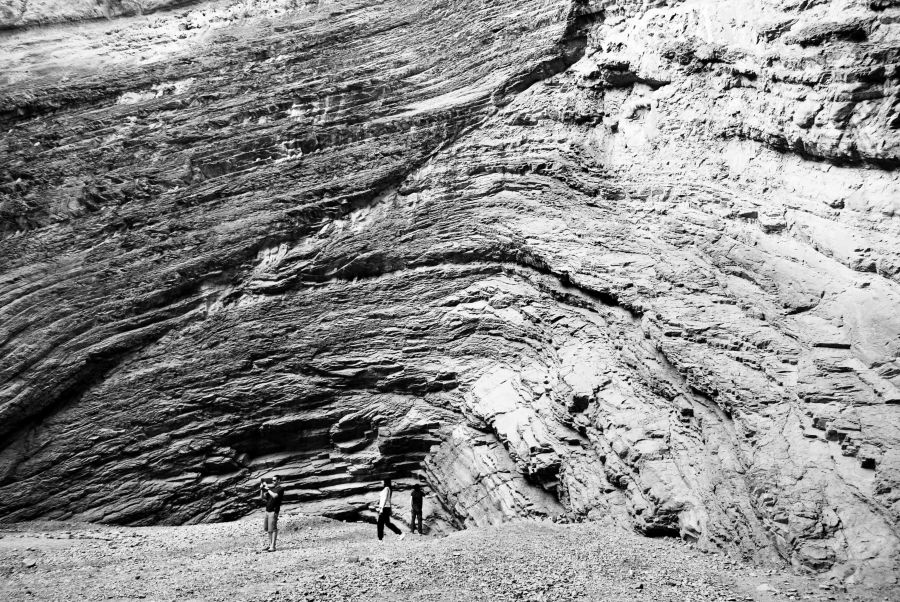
point(384, 512)
point(272, 494)
point(417, 496)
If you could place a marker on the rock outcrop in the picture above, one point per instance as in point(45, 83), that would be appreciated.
point(623, 259)
point(24, 13)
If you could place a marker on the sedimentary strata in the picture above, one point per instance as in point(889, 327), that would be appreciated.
point(578, 259)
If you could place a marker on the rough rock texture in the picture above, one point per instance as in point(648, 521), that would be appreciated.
point(20, 13)
point(628, 259)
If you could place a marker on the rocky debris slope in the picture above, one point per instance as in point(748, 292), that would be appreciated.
point(322, 560)
point(579, 260)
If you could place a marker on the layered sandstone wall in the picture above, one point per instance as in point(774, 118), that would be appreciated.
point(636, 260)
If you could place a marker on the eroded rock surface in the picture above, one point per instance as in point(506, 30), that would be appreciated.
point(580, 259)
point(24, 13)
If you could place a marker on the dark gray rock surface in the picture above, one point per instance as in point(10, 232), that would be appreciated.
point(575, 260)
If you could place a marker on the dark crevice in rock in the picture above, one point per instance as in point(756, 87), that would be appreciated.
point(850, 158)
point(501, 259)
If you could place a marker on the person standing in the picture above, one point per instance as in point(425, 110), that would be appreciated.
point(272, 494)
point(384, 511)
point(417, 496)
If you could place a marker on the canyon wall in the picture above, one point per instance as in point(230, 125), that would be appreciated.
point(594, 260)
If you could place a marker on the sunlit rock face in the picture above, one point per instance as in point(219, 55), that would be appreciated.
point(24, 13)
point(632, 261)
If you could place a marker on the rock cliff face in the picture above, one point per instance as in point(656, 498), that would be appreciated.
point(587, 259)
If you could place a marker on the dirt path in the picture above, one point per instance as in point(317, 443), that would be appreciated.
point(321, 559)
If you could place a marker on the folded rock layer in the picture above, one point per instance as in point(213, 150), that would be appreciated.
point(622, 260)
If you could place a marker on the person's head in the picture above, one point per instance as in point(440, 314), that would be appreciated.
point(417, 487)
point(387, 482)
point(276, 480)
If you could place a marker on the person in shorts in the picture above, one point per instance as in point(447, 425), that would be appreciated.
point(271, 493)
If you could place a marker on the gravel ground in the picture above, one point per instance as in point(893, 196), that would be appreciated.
point(320, 559)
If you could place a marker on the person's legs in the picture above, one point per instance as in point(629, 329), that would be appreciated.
point(413, 522)
point(419, 511)
point(390, 525)
point(272, 528)
point(381, 525)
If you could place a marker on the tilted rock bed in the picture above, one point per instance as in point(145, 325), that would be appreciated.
point(578, 260)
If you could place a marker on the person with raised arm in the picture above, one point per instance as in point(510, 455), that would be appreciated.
point(271, 493)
